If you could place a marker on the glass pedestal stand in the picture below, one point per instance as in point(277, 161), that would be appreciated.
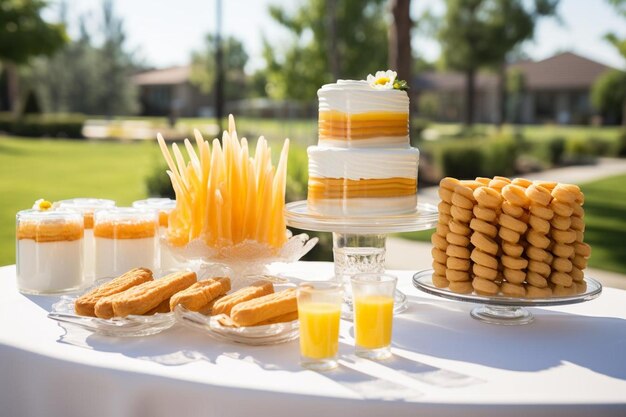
point(359, 242)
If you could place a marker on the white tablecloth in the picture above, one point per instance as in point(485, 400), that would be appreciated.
point(571, 361)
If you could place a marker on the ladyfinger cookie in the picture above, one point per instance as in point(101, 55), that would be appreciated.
point(164, 307)
point(255, 290)
point(145, 297)
point(252, 312)
point(85, 305)
point(280, 319)
point(200, 294)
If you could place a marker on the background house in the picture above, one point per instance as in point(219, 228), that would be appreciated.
point(554, 90)
point(168, 92)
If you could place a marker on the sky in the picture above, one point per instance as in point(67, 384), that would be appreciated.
point(164, 32)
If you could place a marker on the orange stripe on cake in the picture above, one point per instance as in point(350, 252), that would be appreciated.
point(337, 188)
point(335, 124)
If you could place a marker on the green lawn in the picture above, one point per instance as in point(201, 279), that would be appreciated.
point(605, 217)
point(59, 169)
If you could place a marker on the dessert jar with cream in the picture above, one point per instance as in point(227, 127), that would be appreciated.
point(125, 238)
point(163, 206)
point(87, 207)
point(49, 248)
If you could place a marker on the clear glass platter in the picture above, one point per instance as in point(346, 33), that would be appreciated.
point(500, 309)
point(131, 326)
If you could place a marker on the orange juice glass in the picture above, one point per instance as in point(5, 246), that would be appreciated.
point(319, 311)
point(373, 314)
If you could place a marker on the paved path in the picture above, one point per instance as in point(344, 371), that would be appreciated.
point(606, 167)
point(412, 255)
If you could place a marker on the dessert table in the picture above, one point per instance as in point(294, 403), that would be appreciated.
point(570, 361)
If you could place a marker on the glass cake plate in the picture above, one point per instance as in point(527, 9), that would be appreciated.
point(424, 217)
point(130, 326)
point(359, 241)
point(500, 309)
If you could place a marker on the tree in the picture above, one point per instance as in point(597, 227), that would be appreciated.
point(480, 33)
point(120, 94)
point(609, 91)
point(400, 54)
point(203, 68)
point(98, 81)
point(25, 34)
point(329, 40)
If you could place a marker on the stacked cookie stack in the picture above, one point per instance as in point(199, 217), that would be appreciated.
point(518, 238)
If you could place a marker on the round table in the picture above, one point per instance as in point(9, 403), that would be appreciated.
point(571, 361)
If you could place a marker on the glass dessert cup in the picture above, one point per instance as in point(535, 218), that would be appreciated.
point(49, 251)
point(359, 241)
point(319, 313)
point(87, 207)
point(163, 206)
point(373, 296)
point(500, 309)
point(125, 238)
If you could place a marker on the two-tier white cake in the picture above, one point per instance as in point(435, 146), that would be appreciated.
point(363, 163)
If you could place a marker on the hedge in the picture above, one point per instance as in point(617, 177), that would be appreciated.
point(62, 125)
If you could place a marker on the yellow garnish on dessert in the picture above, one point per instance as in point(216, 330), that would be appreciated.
point(223, 195)
point(42, 205)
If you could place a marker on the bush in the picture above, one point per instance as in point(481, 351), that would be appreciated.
point(592, 147)
point(33, 125)
point(473, 157)
point(621, 144)
point(158, 182)
point(418, 125)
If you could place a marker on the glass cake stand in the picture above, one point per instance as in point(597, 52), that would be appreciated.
point(500, 309)
point(359, 241)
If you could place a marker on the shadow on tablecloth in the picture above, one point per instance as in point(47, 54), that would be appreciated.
point(445, 329)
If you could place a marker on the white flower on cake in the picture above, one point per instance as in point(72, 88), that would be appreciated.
point(42, 205)
point(383, 80)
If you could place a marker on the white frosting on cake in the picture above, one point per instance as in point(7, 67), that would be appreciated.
point(350, 96)
point(356, 164)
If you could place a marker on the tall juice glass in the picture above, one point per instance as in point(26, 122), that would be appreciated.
point(373, 314)
point(319, 310)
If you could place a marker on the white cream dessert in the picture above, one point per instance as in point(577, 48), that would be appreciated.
point(125, 238)
point(363, 164)
point(87, 207)
point(163, 206)
point(49, 247)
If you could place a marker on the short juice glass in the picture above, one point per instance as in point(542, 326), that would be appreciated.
point(319, 311)
point(373, 314)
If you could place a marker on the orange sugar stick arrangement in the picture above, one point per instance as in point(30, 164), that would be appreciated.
point(224, 196)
